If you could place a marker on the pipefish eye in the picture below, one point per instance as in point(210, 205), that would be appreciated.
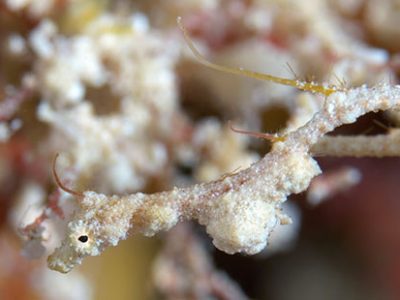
point(83, 238)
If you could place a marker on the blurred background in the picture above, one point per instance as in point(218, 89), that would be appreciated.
point(112, 86)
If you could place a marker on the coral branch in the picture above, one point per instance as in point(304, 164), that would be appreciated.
point(360, 146)
point(239, 211)
point(331, 183)
point(11, 103)
point(184, 270)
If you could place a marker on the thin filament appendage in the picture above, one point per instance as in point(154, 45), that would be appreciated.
point(259, 135)
point(59, 183)
point(302, 85)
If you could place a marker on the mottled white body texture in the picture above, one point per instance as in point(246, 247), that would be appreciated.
point(239, 210)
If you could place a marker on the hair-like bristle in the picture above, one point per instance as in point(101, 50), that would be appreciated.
point(58, 180)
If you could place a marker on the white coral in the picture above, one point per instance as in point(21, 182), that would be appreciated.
point(240, 210)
